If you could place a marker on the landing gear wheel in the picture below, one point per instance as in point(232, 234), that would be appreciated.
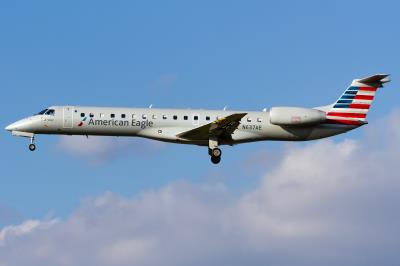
point(32, 147)
point(213, 150)
point(215, 160)
point(216, 152)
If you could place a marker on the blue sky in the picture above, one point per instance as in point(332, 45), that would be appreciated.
point(207, 54)
point(175, 54)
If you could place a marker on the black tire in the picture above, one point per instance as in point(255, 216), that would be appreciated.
point(32, 147)
point(216, 152)
point(215, 160)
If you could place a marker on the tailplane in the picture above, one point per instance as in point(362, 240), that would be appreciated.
point(352, 107)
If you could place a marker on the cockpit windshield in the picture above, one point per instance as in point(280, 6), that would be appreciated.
point(46, 112)
point(42, 112)
point(50, 112)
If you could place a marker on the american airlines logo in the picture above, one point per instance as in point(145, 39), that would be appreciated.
point(83, 119)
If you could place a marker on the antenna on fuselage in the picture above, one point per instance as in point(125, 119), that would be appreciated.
point(225, 107)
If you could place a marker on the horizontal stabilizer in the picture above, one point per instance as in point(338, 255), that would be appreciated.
point(376, 81)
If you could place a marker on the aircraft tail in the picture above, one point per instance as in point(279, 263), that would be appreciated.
point(352, 107)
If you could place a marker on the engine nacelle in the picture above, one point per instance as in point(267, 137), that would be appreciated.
point(292, 116)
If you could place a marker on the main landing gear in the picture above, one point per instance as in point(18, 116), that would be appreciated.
point(215, 155)
point(32, 146)
point(214, 151)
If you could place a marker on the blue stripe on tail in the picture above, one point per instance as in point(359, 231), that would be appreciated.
point(347, 97)
point(341, 105)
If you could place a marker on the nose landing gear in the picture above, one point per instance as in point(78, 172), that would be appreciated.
point(32, 146)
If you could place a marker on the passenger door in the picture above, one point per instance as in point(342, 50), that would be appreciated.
point(68, 116)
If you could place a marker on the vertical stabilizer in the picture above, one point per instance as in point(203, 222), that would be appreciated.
point(353, 106)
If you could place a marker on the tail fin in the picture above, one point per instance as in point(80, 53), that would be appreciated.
point(352, 107)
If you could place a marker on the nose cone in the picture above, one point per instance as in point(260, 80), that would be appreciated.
point(21, 125)
point(10, 127)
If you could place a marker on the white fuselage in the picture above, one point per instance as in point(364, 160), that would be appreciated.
point(209, 127)
point(165, 124)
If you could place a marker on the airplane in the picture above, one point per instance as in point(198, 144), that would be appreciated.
point(210, 128)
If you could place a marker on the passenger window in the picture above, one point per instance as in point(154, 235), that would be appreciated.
point(101, 115)
point(248, 119)
point(112, 115)
point(207, 118)
point(196, 117)
point(82, 114)
point(123, 116)
point(91, 115)
point(259, 119)
point(185, 117)
point(133, 116)
point(144, 116)
point(175, 117)
point(154, 116)
point(164, 117)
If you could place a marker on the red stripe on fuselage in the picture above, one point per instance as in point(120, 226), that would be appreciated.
point(351, 115)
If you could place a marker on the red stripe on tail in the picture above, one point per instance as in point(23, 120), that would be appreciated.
point(351, 115)
point(364, 97)
point(368, 89)
point(359, 106)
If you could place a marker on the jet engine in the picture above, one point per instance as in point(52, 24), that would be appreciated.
point(296, 116)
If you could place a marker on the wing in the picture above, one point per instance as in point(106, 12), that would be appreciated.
point(223, 127)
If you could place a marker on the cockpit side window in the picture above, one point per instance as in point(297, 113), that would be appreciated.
point(50, 112)
point(42, 112)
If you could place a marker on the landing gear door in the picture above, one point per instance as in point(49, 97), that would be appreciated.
point(68, 116)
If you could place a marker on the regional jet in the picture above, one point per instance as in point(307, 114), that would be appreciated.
point(211, 128)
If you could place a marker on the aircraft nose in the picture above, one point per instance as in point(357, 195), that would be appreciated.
point(21, 125)
point(10, 127)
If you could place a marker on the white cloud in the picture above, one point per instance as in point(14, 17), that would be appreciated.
point(324, 203)
point(27, 227)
